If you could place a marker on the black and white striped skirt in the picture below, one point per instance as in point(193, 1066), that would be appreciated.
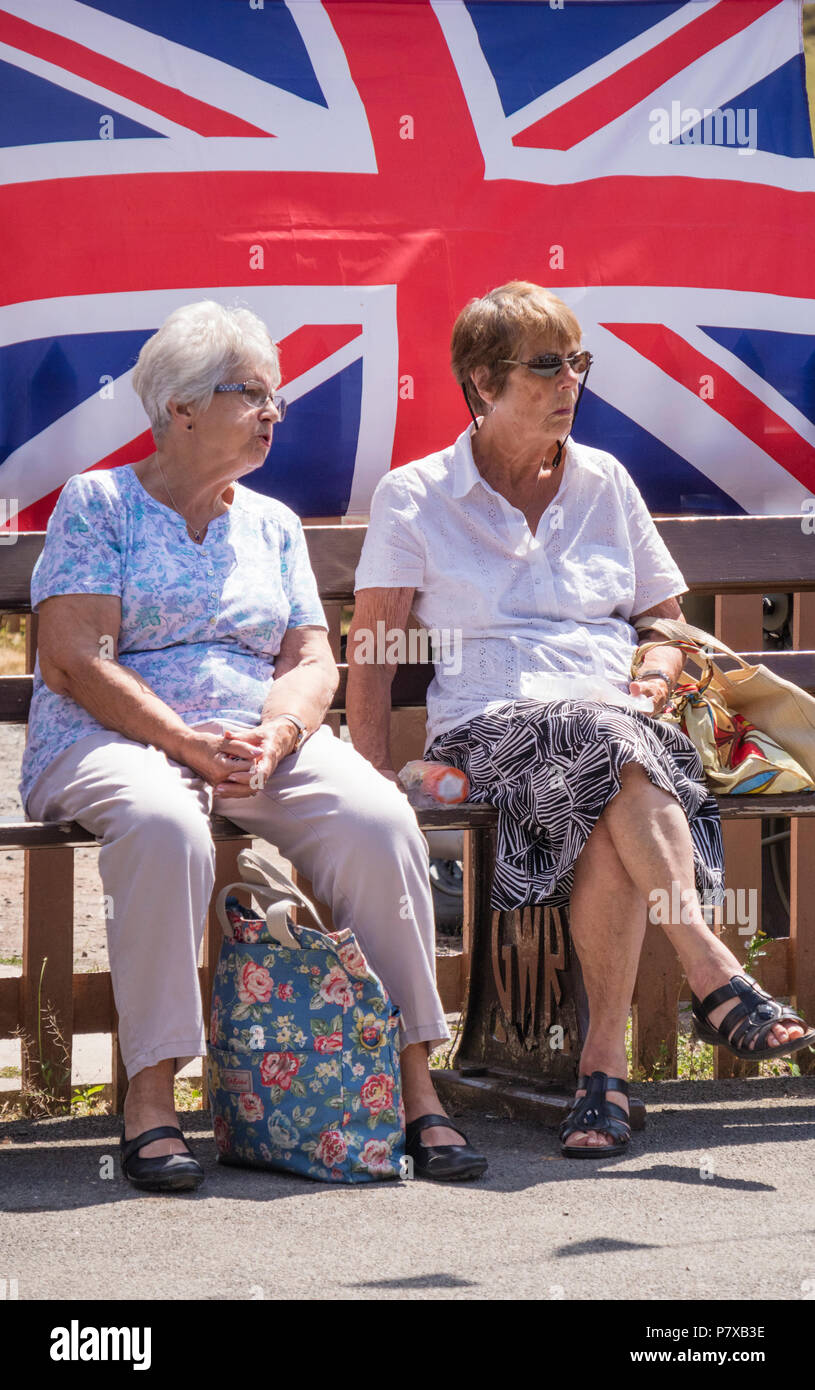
point(550, 769)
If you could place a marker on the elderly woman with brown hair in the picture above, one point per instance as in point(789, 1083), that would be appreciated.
point(541, 553)
point(184, 667)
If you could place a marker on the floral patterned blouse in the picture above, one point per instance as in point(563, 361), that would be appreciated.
point(202, 624)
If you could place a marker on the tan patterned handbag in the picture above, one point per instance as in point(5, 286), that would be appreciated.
point(754, 731)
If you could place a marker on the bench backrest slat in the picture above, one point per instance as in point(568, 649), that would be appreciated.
point(411, 682)
point(723, 555)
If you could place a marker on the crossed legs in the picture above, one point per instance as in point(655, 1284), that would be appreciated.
point(641, 842)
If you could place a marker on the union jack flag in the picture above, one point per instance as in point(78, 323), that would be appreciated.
point(355, 170)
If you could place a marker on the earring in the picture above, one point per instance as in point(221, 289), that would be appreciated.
point(189, 427)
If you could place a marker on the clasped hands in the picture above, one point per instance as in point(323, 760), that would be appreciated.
point(238, 764)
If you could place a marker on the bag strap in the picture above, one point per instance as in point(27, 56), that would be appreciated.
point(685, 632)
point(258, 870)
point(692, 653)
point(267, 882)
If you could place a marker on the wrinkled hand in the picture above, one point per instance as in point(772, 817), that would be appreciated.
point(211, 756)
point(655, 689)
point(264, 747)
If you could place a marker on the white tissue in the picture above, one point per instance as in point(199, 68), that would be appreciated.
point(542, 686)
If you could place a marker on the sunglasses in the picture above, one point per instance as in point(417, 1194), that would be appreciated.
point(256, 395)
point(550, 364)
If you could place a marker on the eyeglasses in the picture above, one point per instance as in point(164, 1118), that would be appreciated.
point(550, 364)
point(256, 395)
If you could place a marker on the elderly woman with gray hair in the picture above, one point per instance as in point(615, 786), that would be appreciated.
point(541, 555)
point(184, 667)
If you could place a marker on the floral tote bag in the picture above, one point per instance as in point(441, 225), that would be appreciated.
point(303, 1058)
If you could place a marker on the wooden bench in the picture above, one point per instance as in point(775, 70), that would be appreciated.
point(524, 1009)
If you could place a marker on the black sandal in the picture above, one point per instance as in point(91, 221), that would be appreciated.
point(751, 1019)
point(168, 1173)
point(444, 1162)
point(593, 1111)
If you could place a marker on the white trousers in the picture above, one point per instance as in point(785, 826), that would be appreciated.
point(326, 810)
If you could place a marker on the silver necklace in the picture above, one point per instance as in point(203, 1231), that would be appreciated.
point(176, 508)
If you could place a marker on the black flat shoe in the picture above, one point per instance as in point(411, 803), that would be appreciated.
point(170, 1173)
point(593, 1111)
point(444, 1162)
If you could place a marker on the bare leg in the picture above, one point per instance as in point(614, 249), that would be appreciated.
point(652, 838)
point(607, 915)
point(419, 1096)
point(149, 1103)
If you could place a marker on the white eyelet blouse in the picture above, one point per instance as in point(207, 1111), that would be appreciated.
point(518, 616)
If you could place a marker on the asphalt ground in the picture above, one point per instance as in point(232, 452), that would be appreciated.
point(714, 1200)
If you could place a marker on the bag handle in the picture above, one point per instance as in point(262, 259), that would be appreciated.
point(267, 882)
point(258, 870)
point(681, 631)
point(276, 915)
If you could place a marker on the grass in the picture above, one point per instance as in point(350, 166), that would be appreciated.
point(442, 1058)
point(695, 1058)
point(89, 1100)
point(53, 1061)
point(189, 1094)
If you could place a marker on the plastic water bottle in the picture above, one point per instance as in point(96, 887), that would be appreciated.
point(431, 784)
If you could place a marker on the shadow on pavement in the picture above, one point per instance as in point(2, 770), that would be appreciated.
point(56, 1165)
point(419, 1281)
point(670, 1172)
point(602, 1245)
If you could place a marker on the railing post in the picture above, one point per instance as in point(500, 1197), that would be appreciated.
point(655, 1006)
point(47, 980)
point(48, 957)
point(118, 1073)
point(470, 867)
point(802, 868)
point(738, 623)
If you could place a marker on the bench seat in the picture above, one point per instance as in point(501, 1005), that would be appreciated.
point(21, 834)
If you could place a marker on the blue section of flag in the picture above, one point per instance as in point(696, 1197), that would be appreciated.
point(772, 115)
point(34, 111)
point(44, 378)
point(667, 482)
point(531, 48)
point(783, 112)
point(265, 43)
point(311, 463)
point(785, 360)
